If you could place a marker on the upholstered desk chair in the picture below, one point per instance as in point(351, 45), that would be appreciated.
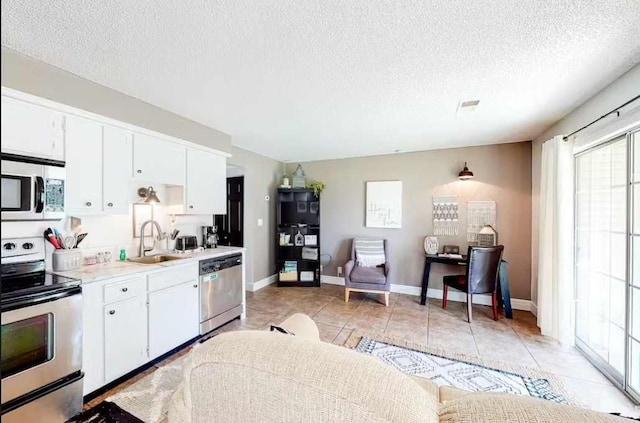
point(483, 264)
point(368, 269)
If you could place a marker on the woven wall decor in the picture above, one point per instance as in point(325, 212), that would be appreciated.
point(479, 214)
point(445, 215)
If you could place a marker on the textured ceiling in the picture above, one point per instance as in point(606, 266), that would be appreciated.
point(306, 80)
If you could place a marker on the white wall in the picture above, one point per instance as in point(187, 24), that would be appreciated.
point(502, 174)
point(617, 93)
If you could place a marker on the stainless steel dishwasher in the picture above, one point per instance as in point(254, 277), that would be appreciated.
point(220, 291)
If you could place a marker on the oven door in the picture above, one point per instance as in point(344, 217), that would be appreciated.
point(23, 189)
point(41, 342)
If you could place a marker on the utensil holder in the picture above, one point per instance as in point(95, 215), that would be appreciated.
point(64, 260)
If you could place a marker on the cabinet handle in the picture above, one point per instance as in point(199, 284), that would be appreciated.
point(195, 286)
point(139, 170)
point(190, 207)
point(88, 204)
point(112, 312)
point(125, 289)
point(109, 204)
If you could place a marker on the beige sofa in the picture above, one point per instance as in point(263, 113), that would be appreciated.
point(259, 376)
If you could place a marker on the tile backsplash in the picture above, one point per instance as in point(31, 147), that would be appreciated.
point(111, 233)
point(114, 232)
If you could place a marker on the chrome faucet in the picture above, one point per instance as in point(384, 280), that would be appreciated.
point(160, 237)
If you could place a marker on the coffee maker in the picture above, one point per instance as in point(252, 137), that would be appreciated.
point(209, 236)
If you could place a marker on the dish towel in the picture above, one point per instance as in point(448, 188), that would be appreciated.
point(370, 252)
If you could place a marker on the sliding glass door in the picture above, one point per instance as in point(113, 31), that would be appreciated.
point(633, 382)
point(601, 245)
point(607, 259)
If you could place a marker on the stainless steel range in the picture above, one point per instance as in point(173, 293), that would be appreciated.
point(41, 355)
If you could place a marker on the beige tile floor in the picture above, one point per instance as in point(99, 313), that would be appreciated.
point(517, 340)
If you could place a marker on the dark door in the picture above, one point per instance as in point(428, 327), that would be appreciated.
point(230, 226)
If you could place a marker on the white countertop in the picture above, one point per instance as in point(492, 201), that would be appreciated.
point(114, 269)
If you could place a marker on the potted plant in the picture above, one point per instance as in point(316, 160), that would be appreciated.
point(317, 187)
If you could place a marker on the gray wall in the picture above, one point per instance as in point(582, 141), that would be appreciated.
point(617, 93)
point(502, 173)
point(261, 173)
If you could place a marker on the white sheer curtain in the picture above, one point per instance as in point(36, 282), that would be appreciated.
point(555, 265)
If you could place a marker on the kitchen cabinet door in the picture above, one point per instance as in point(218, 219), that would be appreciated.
point(206, 188)
point(174, 317)
point(83, 139)
point(125, 337)
point(117, 151)
point(92, 337)
point(31, 130)
point(158, 161)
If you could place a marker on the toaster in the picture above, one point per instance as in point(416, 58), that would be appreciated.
point(184, 243)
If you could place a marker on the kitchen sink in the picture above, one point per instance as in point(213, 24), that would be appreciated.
point(158, 258)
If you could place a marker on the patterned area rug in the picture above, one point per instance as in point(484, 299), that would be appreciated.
point(459, 370)
point(148, 399)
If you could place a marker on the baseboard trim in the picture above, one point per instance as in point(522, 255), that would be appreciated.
point(482, 299)
point(534, 309)
point(257, 285)
point(332, 280)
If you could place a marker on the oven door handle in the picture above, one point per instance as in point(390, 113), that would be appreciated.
point(39, 194)
point(35, 299)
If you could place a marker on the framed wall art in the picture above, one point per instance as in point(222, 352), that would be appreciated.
point(384, 204)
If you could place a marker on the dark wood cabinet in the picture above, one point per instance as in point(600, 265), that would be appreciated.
point(298, 237)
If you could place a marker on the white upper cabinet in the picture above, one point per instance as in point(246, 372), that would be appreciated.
point(99, 160)
point(31, 130)
point(157, 160)
point(206, 187)
point(117, 152)
point(83, 139)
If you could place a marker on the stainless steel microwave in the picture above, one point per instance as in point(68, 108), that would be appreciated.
point(32, 188)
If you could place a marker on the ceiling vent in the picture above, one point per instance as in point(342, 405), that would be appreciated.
point(467, 106)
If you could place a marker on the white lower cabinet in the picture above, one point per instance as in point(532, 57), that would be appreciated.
point(173, 317)
point(129, 321)
point(125, 337)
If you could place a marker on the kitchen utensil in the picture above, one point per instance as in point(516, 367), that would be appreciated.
point(69, 241)
point(49, 236)
point(58, 236)
point(80, 237)
point(174, 234)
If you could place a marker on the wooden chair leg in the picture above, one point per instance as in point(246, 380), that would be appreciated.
point(469, 303)
point(445, 291)
point(386, 299)
point(494, 305)
point(346, 295)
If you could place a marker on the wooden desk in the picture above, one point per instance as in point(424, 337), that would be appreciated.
point(504, 296)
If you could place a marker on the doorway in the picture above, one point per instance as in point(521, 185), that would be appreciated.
point(231, 225)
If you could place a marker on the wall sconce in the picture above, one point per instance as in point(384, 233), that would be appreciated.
point(465, 174)
point(149, 195)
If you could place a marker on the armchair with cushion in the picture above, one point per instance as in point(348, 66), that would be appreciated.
point(372, 278)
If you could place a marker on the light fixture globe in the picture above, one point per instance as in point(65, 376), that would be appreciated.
point(465, 174)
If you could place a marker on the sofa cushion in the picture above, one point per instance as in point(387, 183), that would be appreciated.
point(373, 275)
point(484, 407)
point(257, 376)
